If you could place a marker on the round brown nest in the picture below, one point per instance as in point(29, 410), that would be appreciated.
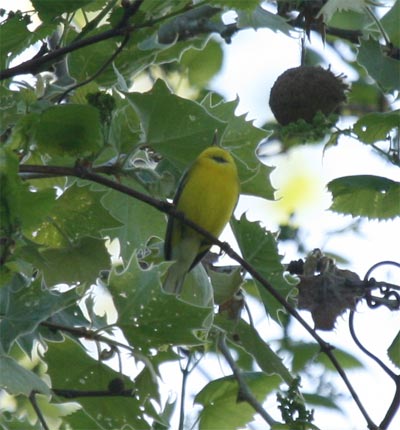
point(301, 92)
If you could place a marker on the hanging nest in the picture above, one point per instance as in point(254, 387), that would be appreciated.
point(301, 92)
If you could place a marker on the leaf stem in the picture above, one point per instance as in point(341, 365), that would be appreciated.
point(379, 25)
point(244, 390)
point(35, 406)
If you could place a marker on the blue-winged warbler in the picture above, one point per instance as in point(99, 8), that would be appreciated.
point(207, 195)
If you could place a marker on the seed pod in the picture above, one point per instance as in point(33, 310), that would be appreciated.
point(301, 92)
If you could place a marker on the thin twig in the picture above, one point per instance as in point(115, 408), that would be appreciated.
point(35, 406)
point(99, 71)
point(244, 390)
point(83, 332)
point(74, 394)
point(185, 374)
point(379, 25)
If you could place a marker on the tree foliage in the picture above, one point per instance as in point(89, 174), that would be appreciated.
point(88, 165)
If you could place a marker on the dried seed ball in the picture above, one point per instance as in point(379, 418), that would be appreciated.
point(301, 92)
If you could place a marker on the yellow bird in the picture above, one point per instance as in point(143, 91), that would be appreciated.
point(207, 195)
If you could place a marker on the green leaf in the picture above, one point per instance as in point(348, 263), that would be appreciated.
point(69, 129)
point(394, 351)
point(15, 379)
point(24, 308)
point(139, 220)
point(15, 38)
point(150, 318)
point(125, 127)
point(319, 400)
point(225, 285)
point(251, 342)
point(219, 398)
point(374, 127)
point(237, 5)
point(20, 206)
point(77, 212)
point(346, 360)
point(259, 248)
point(383, 69)
point(78, 262)
point(390, 23)
point(81, 420)
point(304, 354)
point(242, 139)
point(50, 9)
point(202, 65)
point(374, 197)
point(178, 129)
point(86, 62)
point(90, 374)
point(262, 18)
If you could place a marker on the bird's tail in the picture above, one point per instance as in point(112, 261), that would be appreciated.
point(175, 278)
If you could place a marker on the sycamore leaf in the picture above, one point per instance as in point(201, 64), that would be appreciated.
point(394, 351)
point(51, 9)
point(24, 308)
point(178, 129)
point(69, 129)
point(252, 343)
point(19, 206)
point(77, 212)
point(374, 127)
point(219, 398)
point(261, 18)
point(87, 373)
point(333, 6)
point(259, 248)
point(374, 197)
point(15, 379)
point(77, 262)
point(139, 221)
point(383, 69)
point(150, 318)
point(390, 23)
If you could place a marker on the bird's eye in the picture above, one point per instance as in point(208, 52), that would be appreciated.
point(219, 159)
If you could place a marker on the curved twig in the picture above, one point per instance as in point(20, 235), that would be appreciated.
point(366, 351)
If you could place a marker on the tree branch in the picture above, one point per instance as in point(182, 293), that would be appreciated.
point(244, 390)
point(83, 172)
point(123, 28)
